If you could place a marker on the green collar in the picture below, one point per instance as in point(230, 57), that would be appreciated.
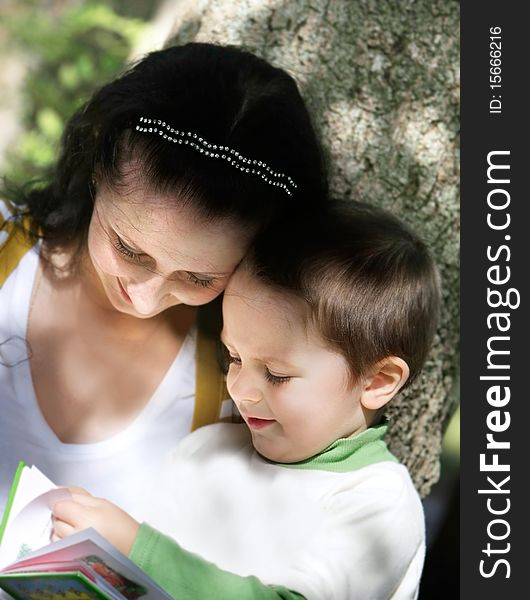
point(349, 454)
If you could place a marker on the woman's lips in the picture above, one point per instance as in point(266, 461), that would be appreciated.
point(124, 294)
point(255, 423)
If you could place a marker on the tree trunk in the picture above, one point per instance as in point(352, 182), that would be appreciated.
point(382, 81)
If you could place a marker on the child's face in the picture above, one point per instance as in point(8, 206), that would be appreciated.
point(293, 392)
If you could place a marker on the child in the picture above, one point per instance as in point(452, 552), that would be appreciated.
point(324, 323)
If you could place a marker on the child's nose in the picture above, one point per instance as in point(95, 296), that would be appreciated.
point(243, 387)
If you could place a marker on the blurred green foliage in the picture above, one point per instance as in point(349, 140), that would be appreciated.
point(72, 51)
point(452, 435)
point(450, 459)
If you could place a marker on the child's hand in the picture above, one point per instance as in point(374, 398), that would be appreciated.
point(84, 510)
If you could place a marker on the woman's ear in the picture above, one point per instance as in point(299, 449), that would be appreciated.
point(390, 376)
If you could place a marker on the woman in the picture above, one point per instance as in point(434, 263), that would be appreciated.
point(165, 176)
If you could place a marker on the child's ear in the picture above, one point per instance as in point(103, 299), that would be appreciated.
point(381, 387)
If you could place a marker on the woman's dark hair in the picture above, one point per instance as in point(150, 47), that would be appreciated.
point(224, 94)
point(371, 284)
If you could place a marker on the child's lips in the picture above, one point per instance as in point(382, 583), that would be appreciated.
point(255, 423)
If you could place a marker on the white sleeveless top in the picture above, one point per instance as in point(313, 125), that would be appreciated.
point(120, 468)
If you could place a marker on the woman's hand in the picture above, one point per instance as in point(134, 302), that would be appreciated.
point(84, 510)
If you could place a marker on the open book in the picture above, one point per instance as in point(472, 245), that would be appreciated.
point(82, 567)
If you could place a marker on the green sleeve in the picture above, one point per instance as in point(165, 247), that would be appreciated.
point(187, 576)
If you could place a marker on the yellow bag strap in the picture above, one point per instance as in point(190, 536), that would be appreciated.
point(210, 385)
point(14, 248)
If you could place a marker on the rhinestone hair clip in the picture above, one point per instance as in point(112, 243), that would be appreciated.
point(231, 156)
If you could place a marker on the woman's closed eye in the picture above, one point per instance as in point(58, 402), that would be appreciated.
point(142, 258)
point(205, 282)
point(124, 249)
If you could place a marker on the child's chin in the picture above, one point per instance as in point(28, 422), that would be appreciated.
point(274, 452)
point(267, 450)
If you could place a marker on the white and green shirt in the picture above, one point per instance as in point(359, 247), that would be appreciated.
point(345, 524)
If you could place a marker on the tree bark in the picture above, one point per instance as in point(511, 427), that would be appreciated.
point(382, 81)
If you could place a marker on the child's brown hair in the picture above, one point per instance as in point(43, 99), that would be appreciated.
point(371, 284)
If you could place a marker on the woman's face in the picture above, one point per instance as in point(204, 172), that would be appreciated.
point(150, 254)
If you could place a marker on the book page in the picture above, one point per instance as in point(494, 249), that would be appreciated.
point(31, 526)
point(32, 483)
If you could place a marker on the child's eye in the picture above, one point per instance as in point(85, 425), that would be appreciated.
point(233, 360)
point(276, 379)
point(203, 282)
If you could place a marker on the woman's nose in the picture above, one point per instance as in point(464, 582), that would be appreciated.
point(146, 295)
